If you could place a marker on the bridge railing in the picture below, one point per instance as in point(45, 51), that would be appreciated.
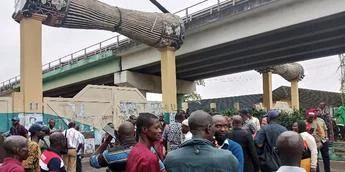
point(83, 54)
point(202, 8)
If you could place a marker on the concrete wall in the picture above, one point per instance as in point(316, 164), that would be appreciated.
point(97, 105)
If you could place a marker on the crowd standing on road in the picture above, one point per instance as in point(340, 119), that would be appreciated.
point(192, 142)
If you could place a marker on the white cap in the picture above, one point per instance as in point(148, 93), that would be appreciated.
point(185, 122)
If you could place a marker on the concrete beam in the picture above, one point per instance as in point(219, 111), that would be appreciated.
point(267, 18)
point(150, 83)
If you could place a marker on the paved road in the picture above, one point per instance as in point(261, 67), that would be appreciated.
point(337, 166)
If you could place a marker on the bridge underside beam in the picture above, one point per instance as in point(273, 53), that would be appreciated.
point(149, 83)
point(303, 41)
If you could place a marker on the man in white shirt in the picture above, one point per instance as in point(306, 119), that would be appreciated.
point(290, 147)
point(73, 143)
point(300, 128)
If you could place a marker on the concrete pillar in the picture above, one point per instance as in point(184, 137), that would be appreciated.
point(294, 95)
point(168, 74)
point(31, 63)
point(267, 90)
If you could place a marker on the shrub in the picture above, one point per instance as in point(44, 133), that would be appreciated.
point(287, 119)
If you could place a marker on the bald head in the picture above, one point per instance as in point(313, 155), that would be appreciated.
point(126, 130)
point(199, 120)
point(199, 123)
point(16, 146)
point(290, 147)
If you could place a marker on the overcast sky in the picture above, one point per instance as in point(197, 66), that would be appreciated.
point(321, 74)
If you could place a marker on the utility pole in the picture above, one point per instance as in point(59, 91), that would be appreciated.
point(342, 77)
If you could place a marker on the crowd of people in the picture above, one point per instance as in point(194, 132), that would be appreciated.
point(191, 142)
point(42, 148)
point(204, 142)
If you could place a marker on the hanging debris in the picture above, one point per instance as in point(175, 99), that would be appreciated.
point(154, 29)
point(289, 71)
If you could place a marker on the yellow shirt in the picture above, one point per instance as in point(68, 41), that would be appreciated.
point(32, 162)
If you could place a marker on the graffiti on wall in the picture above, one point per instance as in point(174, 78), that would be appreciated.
point(154, 108)
point(89, 146)
point(29, 119)
point(76, 109)
point(131, 108)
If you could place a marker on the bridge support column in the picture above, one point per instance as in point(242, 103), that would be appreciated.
point(31, 63)
point(267, 90)
point(294, 95)
point(168, 74)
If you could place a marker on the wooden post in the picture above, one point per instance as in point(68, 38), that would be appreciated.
point(168, 73)
point(294, 95)
point(31, 63)
point(267, 90)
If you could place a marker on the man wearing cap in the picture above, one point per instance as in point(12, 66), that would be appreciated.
point(31, 164)
point(18, 129)
point(317, 127)
point(266, 140)
point(186, 134)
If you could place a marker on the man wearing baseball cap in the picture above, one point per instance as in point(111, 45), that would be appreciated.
point(17, 128)
point(186, 134)
point(318, 128)
point(266, 140)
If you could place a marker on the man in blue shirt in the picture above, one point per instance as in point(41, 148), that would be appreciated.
point(221, 134)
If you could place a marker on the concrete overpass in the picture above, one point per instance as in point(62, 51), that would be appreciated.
point(226, 38)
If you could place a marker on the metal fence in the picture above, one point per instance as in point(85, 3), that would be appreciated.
point(206, 7)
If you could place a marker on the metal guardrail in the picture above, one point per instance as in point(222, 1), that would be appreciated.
point(113, 43)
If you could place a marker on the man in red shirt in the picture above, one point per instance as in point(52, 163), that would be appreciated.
point(141, 159)
point(16, 148)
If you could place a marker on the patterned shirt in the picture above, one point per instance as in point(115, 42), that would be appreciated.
point(32, 162)
point(172, 134)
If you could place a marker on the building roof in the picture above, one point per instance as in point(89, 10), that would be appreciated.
point(308, 98)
